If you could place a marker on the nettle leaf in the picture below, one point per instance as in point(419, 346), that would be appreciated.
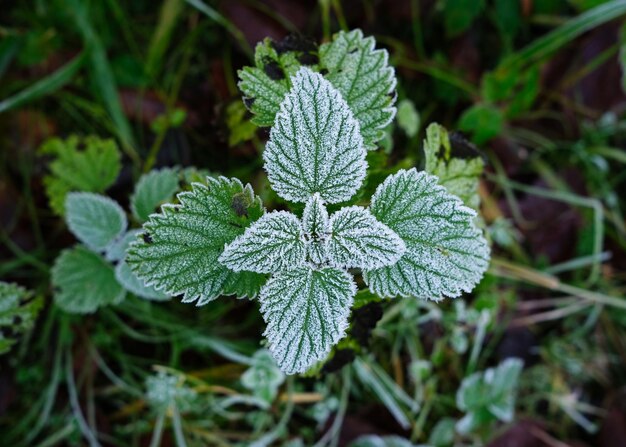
point(116, 251)
point(84, 281)
point(179, 249)
point(271, 244)
point(316, 225)
point(445, 253)
point(366, 81)
point(315, 145)
point(460, 176)
point(265, 85)
point(152, 190)
point(18, 312)
point(94, 219)
point(358, 240)
point(306, 312)
point(92, 169)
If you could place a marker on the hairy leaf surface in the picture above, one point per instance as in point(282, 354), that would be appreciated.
point(315, 145)
point(306, 312)
point(366, 81)
point(445, 253)
point(179, 249)
point(273, 243)
point(84, 281)
point(94, 219)
point(358, 240)
point(153, 189)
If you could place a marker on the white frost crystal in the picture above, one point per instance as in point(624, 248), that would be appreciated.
point(315, 145)
point(306, 312)
point(358, 240)
point(446, 254)
point(271, 244)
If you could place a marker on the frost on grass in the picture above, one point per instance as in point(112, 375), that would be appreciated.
point(153, 189)
point(358, 240)
point(179, 248)
point(84, 281)
point(460, 176)
point(366, 81)
point(316, 225)
point(306, 312)
point(94, 219)
point(315, 145)
point(445, 253)
point(271, 244)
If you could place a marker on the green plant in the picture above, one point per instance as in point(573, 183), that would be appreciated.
point(416, 239)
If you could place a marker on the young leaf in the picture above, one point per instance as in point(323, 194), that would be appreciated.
point(445, 253)
point(306, 312)
point(365, 80)
point(94, 219)
point(271, 244)
point(408, 118)
point(315, 145)
point(263, 377)
point(18, 312)
point(117, 250)
point(358, 240)
point(483, 121)
point(129, 280)
point(179, 248)
point(84, 281)
point(93, 169)
point(153, 189)
point(316, 225)
point(460, 176)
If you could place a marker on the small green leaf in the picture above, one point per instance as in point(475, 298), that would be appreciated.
point(163, 391)
point(445, 253)
point(306, 312)
point(152, 190)
point(263, 378)
point(84, 281)
point(484, 121)
point(365, 80)
point(315, 146)
point(179, 249)
point(460, 176)
point(117, 250)
point(94, 219)
point(129, 280)
point(408, 118)
point(18, 312)
point(240, 127)
point(358, 240)
point(92, 169)
point(271, 244)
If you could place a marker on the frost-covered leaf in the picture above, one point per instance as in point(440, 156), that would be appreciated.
point(94, 219)
point(445, 253)
point(129, 280)
point(358, 240)
point(408, 118)
point(264, 377)
point(165, 390)
point(315, 144)
point(488, 395)
point(366, 81)
point(306, 312)
point(265, 85)
point(84, 281)
point(316, 225)
point(179, 249)
point(92, 169)
point(18, 312)
point(153, 189)
point(116, 251)
point(271, 244)
point(459, 175)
